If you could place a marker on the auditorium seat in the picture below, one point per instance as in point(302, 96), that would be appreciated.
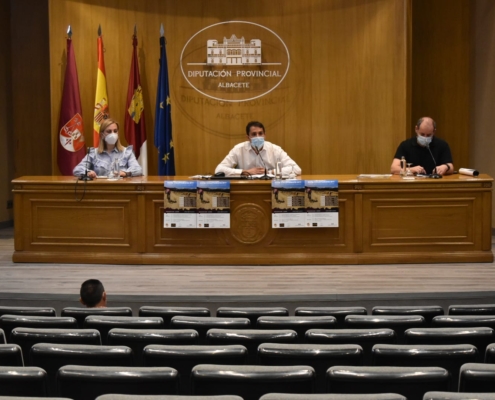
point(490, 354)
point(11, 355)
point(184, 358)
point(338, 312)
point(479, 337)
point(9, 322)
point(251, 381)
point(298, 324)
point(104, 324)
point(86, 383)
point(458, 396)
point(366, 338)
point(51, 357)
point(80, 313)
point(477, 378)
point(3, 338)
point(451, 357)
point(318, 356)
point(472, 309)
point(23, 381)
point(399, 323)
point(252, 313)
point(167, 313)
point(250, 338)
point(203, 324)
point(452, 321)
point(428, 312)
point(138, 339)
point(27, 337)
point(332, 396)
point(29, 311)
point(165, 397)
point(411, 382)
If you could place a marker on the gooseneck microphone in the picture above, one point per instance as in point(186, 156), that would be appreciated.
point(85, 177)
point(434, 174)
point(264, 177)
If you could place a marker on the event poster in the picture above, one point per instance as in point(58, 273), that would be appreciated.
point(322, 203)
point(180, 204)
point(213, 200)
point(288, 206)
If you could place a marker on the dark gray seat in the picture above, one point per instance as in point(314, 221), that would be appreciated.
point(318, 356)
point(3, 338)
point(27, 337)
point(30, 311)
point(23, 381)
point(250, 338)
point(366, 338)
point(252, 313)
point(332, 396)
point(184, 358)
point(9, 322)
point(428, 312)
point(170, 397)
point(138, 339)
point(399, 323)
point(11, 355)
point(471, 309)
point(452, 321)
point(104, 324)
point(80, 313)
point(203, 324)
point(451, 357)
point(86, 383)
point(251, 381)
point(411, 382)
point(490, 354)
point(338, 312)
point(167, 313)
point(458, 396)
point(477, 378)
point(298, 324)
point(51, 357)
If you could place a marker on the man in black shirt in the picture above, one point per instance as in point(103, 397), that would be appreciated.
point(417, 151)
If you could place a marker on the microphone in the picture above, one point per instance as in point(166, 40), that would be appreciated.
point(264, 177)
point(85, 177)
point(434, 174)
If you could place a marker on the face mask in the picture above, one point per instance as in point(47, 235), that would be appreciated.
point(112, 138)
point(424, 141)
point(258, 142)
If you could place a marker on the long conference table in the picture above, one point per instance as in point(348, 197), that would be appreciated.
point(381, 221)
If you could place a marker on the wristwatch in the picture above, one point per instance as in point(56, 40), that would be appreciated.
point(448, 167)
point(128, 174)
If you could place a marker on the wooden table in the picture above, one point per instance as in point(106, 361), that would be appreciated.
point(381, 221)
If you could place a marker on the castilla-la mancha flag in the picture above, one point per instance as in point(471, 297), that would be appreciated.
point(70, 149)
point(101, 98)
point(135, 127)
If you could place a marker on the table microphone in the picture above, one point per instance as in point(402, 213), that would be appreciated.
point(434, 174)
point(264, 177)
point(85, 177)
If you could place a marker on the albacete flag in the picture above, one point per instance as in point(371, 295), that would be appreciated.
point(163, 120)
point(135, 127)
point(70, 149)
point(101, 98)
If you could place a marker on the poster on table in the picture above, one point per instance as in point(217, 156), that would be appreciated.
point(322, 203)
point(213, 201)
point(288, 206)
point(180, 204)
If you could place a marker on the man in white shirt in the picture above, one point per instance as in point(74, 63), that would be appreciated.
point(256, 154)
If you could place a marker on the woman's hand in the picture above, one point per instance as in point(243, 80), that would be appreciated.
point(92, 174)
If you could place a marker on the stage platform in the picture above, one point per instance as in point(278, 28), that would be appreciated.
point(57, 285)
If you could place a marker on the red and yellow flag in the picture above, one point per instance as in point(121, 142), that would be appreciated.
point(101, 99)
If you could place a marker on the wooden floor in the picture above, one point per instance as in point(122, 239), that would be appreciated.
point(32, 284)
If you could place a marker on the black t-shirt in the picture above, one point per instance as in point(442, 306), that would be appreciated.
point(419, 155)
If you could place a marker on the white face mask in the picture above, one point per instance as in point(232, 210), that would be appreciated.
point(424, 141)
point(112, 138)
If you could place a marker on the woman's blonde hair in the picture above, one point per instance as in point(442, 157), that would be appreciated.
point(102, 146)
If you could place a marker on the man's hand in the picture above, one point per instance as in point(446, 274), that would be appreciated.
point(92, 174)
point(418, 169)
point(254, 171)
point(442, 169)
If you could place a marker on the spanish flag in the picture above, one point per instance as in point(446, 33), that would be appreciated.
point(101, 100)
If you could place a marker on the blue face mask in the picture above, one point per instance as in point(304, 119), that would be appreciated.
point(258, 142)
point(424, 141)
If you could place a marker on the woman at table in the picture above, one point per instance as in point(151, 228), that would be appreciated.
point(99, 160)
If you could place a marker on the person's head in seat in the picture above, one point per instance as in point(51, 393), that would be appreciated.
point(93, 294)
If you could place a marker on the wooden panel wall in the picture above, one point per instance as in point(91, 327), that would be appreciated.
point(342, 108)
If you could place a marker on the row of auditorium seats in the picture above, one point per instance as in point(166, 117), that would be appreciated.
point(249, 382)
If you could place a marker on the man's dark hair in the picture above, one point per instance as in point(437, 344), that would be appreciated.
point(91, 292)
point(254, 123)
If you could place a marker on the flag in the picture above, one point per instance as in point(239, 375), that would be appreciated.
point(135, 127)
point(101, 98)
point(163, 120)
point(70, 148)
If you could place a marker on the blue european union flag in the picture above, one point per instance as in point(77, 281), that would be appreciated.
point(163, 118)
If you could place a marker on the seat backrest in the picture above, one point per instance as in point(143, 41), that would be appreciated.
point(298, 324)
point(105, 323)
point(318, 356)
point(490, 354)
point(428, 312)
point(83, 383)
point(80, 313)
point(471, 309)
point(27, 337)
point(9, 322)
point(184, 358)
point(451, 321)
point(11, 355)
point(23, 381)
point(3, 338)
point(252, 313)
point(332, 396)
point(28, 311)
point(203, 324)
point(166, 397)
point(477, 378)
point(138, 339)
point(338, 312)
point(458, 396)
point(167, 313)
point(411, 382)
point(251, 381)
